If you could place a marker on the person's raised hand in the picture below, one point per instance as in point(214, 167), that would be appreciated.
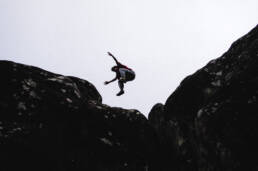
point(110, 54)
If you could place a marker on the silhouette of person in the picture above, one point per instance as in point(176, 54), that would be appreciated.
point(123, 74)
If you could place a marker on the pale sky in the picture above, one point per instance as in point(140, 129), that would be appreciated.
point(162, 40)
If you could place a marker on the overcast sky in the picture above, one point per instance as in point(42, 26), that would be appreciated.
point(162, 40)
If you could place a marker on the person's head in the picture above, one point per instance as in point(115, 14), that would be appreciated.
point(114, 69)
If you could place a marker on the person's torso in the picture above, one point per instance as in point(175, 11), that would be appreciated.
point(124, 71)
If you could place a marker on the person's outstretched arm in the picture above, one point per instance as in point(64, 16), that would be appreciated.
point(107, 82)
point(110, 54)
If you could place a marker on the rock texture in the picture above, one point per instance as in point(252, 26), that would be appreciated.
point(54, 122)
point(210, 121)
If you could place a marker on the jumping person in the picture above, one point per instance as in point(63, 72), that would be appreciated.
point(123, 74)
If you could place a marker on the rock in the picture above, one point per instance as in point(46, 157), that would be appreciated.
point(54, 122)
point(212, 116)
point(209, 123)
point(155, 116)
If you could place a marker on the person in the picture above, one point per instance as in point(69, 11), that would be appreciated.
point(123, 74)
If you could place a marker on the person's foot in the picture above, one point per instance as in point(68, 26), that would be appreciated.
point(120, 93)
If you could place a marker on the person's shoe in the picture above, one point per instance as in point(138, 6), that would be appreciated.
point(120, 93)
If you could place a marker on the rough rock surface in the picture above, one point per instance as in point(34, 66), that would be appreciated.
point(209, 123)
point(211, 118)
point(54, 122)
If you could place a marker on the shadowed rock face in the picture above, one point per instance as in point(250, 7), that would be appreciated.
point(54, 122)
point(211, 118)
point(209, 123)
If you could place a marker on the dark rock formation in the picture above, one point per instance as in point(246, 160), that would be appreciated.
point(156, 117)
point(54, 122)
point(211, 118)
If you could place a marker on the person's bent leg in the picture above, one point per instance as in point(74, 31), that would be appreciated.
point(122, 72)
point(121, 86)
point(129, 75)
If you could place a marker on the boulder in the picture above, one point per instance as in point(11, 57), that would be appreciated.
point(211, 118)
point(54, 122)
